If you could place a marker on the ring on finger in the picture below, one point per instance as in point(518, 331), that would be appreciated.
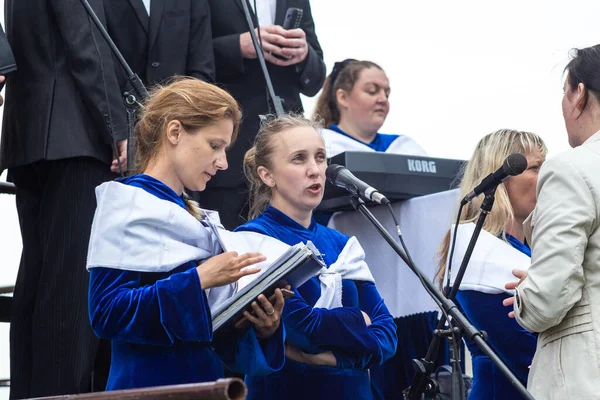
point(271, 312)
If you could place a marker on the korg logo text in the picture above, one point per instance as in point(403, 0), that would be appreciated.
point(422, 166)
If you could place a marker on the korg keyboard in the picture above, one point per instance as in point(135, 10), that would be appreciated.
point(396, 176)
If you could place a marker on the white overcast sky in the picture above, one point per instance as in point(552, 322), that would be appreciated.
point(458, 70)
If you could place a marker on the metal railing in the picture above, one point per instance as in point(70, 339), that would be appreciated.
point(6, 289)
point(7, 188)
point(5, 301)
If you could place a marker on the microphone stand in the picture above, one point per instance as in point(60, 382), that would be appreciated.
point(276, 100)
point(422, 383)
point(132, 98)
point(425, 385)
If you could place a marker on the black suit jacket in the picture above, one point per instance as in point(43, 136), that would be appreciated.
point(243, 78)
point(175, 40)
point(64, 101)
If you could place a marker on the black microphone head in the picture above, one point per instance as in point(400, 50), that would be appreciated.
point(332, 172)
point(514, 164)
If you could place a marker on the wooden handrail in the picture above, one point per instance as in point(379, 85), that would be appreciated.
point(222, 389)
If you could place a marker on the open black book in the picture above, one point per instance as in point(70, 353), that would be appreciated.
point(285, 265)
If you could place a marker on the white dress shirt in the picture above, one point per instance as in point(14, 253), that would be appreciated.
point(147, 5)
point(265, 11)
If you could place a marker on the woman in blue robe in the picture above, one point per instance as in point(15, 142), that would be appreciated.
point(500, 248)
point(337, 324)
point(354, 105)
point(148, 294)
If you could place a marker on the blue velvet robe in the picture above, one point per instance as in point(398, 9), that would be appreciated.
point(381, 142)
point(160, 324)
point(314, 330)
point(513, 344)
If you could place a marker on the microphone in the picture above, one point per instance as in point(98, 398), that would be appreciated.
point(339, 176)
point(513, 165)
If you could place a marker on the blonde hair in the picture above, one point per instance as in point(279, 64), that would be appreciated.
point(489, 155)
point(194, 103)
point(345, 78)
point(260, 155)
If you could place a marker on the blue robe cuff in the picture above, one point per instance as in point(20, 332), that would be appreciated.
point(252, 356)
point(184, 308)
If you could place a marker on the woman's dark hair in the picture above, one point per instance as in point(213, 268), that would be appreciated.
point(344, 76)
point(583, 68)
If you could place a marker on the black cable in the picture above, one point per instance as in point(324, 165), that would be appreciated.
point(452, 245)
point(258, 25)
point(277, 102)
point(138, 86)
point(269, 110)
point(455, 335)
point(399, 234)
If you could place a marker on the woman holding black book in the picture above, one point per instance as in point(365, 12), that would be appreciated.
point(337, 324)
point(148, 295)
